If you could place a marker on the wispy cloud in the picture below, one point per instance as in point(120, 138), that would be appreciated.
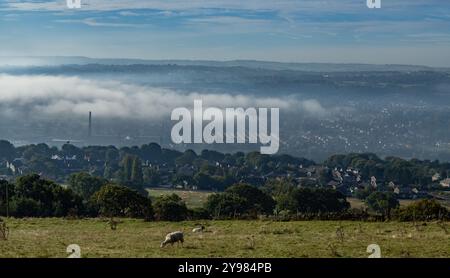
point(228, 20)
point(95, 23)
point(128, 13)
point(177, 5)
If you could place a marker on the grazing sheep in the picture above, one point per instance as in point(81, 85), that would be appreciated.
point(172, 238)
point(198, 229)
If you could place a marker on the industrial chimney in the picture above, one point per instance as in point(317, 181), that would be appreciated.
point(90, 125)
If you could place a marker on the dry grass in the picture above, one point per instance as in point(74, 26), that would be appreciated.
point(136, 238)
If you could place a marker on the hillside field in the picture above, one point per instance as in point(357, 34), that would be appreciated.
point(32, 237)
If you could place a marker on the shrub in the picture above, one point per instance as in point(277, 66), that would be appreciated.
point(26, 207)
point(170, 208)
point(423, 210)
point(225, 205)
point(382, 202)
point(199, 214)
point(85, 185)
point(256, 201)
point(241, 200)
point(34, 196)
point(308, 200)
point(116, 200)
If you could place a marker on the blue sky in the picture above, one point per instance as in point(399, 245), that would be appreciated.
point(401, 32)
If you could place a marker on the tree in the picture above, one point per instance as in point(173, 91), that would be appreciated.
point(71, 150)
point(382, 202)
point(278, 187)
point(364, 192)
point(127, 163)
point(6, 192)
point(34, 196)
point(151, 152)
point(240, 199)
point(111, 155)
point(225, 205)
point(256, 200)
point(423, 210)
point(212, 156)
point(136, 173)
point(107, 172)
point(187, 158)
point(308, 200)
point(206, 181)
point(7, 150)
point(85, 185)
point(152, 177)
point(170, 208)
point(116, 200)
point(324, 176)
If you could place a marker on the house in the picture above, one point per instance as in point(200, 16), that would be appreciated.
point(409, 192)
point(57, 157)
point(17, 166)
point(337, 176)
point(70, 158)
point(436, 177)
point(445, 183)
point(302, 172)
point(333, 184)
point(373, 182)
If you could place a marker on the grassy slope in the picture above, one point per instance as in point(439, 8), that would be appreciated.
point(135, 238)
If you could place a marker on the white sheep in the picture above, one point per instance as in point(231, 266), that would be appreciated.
point(172, 238)
point(198, 229)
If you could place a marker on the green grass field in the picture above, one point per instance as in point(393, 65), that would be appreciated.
point(301, 239)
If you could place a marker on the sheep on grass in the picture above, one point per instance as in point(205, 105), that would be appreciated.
point(172, 238)
point(198, 229)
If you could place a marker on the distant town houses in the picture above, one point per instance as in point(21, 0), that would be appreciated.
point(66, 158)
point(410, 192)
point(445, 183)
point(17, 166)
point(152, 166)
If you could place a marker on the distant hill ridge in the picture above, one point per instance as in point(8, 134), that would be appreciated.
point(313, 67)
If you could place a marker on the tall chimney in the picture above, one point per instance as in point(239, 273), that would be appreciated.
point(90, 124)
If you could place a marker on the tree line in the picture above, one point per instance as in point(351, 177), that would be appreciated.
point(89, 196)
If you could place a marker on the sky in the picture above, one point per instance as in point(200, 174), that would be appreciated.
point(337, 31)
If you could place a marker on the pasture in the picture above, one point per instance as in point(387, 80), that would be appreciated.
point(32, 237)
